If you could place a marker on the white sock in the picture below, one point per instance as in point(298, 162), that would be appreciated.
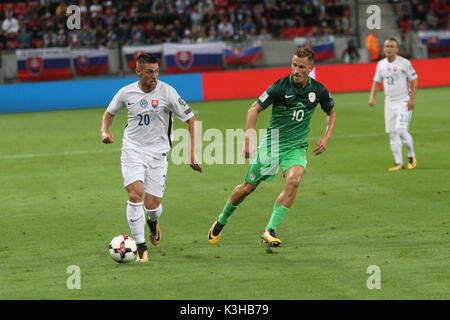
point(396, 147)
point(407, 140)
point(154, 214)
point(136, 221)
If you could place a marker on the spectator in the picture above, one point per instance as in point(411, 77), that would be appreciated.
point(10, 25)
point(213, 36)
point(50, 39)
point(264, 35)
point(25, 39)
point(87, 36)
point(351, 54)
point(20, 10)
point(111, 38)
point(187, 38)
point(202, 37)
point(309, 14)
point(204, 6)
point(61, 10)
point(173, 37)
point(61, 38)
point(225, 26)
point(95, 9)
point(432, 20)
point(158, 7)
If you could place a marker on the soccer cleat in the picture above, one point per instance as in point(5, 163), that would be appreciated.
point(270, 238)
point(215, 232)
point(397, 167)
point(142, 253)
point(412, 162)
point(155, 232)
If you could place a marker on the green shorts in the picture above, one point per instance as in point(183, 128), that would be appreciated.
point(265, 168)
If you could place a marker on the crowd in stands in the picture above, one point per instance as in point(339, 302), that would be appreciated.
point(42, 24)
point(416, 15)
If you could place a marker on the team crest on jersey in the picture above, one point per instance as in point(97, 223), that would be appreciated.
point(312, 96)
point(395, 68)
point(184, 59)
point(155, 104)
point(35, 65)
point(143, 103)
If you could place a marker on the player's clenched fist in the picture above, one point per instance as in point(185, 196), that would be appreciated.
point(107, 137)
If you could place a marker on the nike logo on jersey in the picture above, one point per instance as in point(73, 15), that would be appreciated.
point(129, 103)
point(287, 97)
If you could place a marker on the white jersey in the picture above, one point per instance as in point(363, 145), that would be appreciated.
point(396, 76)
point(149, 127)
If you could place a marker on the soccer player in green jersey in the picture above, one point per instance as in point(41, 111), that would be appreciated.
point(293, 99)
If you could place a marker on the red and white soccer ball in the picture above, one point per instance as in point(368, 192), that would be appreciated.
point(122, 248)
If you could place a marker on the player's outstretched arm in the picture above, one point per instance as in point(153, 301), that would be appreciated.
point(193, 163)
point(107, 137)
point(373, 92)
point(250, 131)
point(323, 141)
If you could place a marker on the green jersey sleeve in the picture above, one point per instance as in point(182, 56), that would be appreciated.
point(326, 100)
point(270, 95)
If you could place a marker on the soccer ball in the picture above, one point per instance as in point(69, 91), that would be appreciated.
point(122, 248)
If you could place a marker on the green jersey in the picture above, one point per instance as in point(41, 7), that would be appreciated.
point(291, 112)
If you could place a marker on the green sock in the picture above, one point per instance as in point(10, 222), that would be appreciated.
point(278, 214)
point(226, 212)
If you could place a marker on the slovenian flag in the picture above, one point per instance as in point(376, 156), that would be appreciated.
point(90, 61)
point(436, 41)
point(243, 55)
point(133, 52)
point(187, 58)
point(323, 47)
point(43, 64)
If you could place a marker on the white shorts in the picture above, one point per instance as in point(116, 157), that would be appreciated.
point(396, 115)
point(137, 166)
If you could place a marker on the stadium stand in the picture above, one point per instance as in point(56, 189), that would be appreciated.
point(42, 24)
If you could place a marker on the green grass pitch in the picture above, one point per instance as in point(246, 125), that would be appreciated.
point(62, 201)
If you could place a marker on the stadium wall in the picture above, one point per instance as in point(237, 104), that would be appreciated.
point(209, 86)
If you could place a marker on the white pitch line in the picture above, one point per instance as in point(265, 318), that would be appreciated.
point(75, 153)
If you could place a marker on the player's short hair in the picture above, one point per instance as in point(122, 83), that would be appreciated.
point(392, 39)
point(305, 53)
point(146, 58)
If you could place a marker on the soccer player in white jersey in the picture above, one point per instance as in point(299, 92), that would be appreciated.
point(147, 139)
point(396, 73)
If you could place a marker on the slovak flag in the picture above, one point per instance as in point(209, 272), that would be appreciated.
point(90, 61)
point(132, 53)
point(323, 47)
point(243, 55)
point(437, 41)
point(43, 64)
point(186, 58)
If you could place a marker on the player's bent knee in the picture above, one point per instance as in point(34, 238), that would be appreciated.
point(293, 182)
